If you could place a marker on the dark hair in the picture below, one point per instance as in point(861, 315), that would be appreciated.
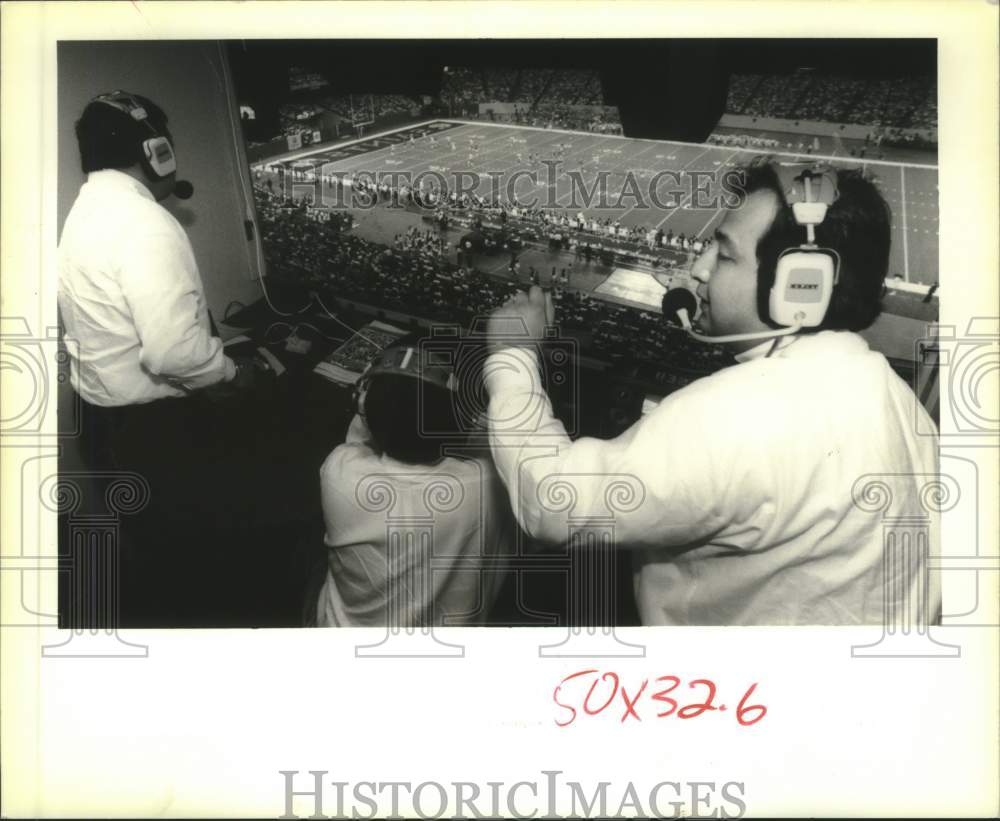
point(856, 226)
point(109, 138)
point(412, 420)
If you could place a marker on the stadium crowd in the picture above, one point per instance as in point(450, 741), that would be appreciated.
point(585, 236)
point(416, 277)
point(804, 95)
point(546, 98)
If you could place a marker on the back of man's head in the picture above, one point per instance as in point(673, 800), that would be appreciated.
point(111, 138)
point(413, 420)
point(857, 226)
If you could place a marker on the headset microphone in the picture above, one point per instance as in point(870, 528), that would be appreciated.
point(804, 275)
point(679, 304)
point(183, 190)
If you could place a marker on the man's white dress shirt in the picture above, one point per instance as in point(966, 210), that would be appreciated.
point(411, 544)
point(744, 505)
point(131, 298)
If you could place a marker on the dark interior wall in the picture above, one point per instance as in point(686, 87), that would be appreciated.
point(187, 79)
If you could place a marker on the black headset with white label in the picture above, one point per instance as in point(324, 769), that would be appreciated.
point(157, 151)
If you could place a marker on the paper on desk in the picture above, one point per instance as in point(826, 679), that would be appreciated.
point(345, 365)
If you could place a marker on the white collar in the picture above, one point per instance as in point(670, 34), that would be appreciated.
point(764, 348)
point(119, 179)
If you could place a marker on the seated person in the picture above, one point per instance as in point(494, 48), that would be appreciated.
point(418, 524)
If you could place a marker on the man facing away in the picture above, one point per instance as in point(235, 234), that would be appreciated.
point(142, 350)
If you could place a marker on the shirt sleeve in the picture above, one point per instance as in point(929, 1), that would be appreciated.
point(163, 291)
point(664, 480)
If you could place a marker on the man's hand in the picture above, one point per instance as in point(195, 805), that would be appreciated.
point(250, 373)
point(246, 374)
point(521, 320)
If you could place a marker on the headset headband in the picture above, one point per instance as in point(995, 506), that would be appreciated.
point(414, 362)
point(128, 104)
point(807, 182)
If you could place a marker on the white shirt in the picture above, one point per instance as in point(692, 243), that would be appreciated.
point(371, 500)
point(131, 298)
point(745, 481)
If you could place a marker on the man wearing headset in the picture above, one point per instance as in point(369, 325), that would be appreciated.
point(748, 476)
point(131, 300)
point(407, 456)
point(130, 293)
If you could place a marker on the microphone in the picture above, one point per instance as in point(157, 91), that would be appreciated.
point(680, 303)
point(183, 190)
point(676, 300)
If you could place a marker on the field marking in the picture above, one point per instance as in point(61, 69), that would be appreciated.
point(906, 247)
point(359, 161)
point(797, 155)
point(612, 171)
point(484, 124)
point(596, 178)
point(691, 197)
point(466, 127)
point(308, 152)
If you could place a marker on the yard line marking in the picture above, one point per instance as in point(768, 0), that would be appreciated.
point(691, 197)
point(795, 154)
point(610, 171)
point(906, 249)
point(629, 159)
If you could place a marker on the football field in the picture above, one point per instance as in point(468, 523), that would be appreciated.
point(557, 168)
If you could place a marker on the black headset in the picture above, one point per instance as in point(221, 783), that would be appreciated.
point(405, 360)
point(157, 152)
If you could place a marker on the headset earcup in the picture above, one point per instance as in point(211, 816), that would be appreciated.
point(803, 287)
point(159, 156)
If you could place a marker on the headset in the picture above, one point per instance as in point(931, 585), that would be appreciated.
point(157, 150)
point(409, 360)
point(804, 275)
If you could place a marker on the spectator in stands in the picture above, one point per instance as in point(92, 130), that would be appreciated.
point(408, 414)
point(746, 508)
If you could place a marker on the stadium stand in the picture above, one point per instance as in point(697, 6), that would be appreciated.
point(416, 277)
point(741, 86)
point(543, 98)
point(805, 95)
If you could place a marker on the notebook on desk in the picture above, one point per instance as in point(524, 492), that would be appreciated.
point(345, 365)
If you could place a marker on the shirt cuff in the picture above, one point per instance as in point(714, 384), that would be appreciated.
point(230, 369)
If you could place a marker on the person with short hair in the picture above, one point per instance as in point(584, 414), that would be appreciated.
point(408, 445)
point(130, 293)
point(748, 478)
point(143, 352)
